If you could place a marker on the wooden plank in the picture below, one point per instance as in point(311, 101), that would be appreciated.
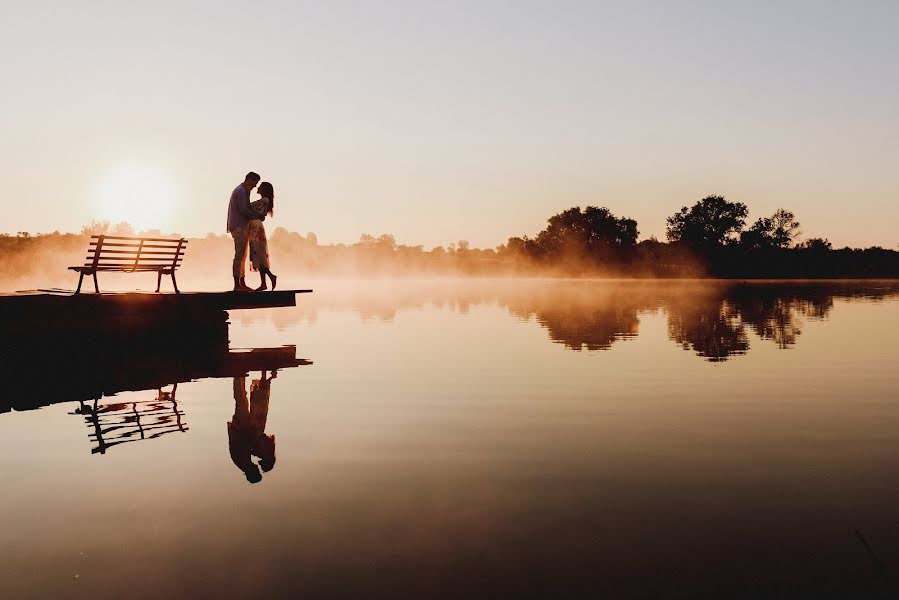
point(133, 257)
point(124, 237)
point(165, 243)
point(128, 267)
point(126, 313)
point(119, 244)
point(176, 260)
point(129, 260)
point(141, 264)
point(168, 252)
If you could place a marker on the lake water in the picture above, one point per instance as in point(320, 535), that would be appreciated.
point(473, 439)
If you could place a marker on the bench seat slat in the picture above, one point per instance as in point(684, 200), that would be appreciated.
point(123, 269)
point(140, 258)
point(138, 238)
point(107, 244)
point(131, 264)
point(106, 250)
point(127, 267)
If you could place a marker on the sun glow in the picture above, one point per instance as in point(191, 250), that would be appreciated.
point(141, 195)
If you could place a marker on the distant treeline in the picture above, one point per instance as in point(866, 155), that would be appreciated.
point(709, 239)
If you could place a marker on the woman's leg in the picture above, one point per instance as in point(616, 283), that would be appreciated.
point(262, 285)
point(274, 279)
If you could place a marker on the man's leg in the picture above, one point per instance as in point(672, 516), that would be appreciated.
point(243, 262)
point(241, 405)
point(240, 254)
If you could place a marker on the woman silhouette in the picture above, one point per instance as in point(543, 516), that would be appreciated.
point(259, 260)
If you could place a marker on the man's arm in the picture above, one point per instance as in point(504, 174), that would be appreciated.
point(243, 205)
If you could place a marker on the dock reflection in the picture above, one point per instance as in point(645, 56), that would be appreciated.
point(92, 369)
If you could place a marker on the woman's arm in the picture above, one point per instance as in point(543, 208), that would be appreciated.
point(259, 208)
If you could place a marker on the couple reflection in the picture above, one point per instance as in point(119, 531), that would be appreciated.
point(246, 430)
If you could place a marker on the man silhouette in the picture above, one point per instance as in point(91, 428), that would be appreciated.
point(239, 215)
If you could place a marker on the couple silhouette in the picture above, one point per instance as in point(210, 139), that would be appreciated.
point(245, 224)
point(246, 429)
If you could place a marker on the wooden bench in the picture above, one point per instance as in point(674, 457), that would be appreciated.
point(132, 255)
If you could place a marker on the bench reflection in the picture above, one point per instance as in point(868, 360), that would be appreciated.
point(122, 422)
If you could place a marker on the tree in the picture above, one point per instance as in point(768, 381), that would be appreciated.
point(816, 244)
point(382, 243)
point(593, 231)
point(784, 228)
point(776, 231)
point(758, 236)
point(123, 228)
point(95, 228)
point(711, 222)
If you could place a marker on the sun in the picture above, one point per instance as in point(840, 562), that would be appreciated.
point(144, 196)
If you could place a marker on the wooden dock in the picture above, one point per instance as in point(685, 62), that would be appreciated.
point(49, 311)
point(38, 300)
point(58, 346)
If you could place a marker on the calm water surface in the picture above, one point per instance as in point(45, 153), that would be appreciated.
point(465, 439)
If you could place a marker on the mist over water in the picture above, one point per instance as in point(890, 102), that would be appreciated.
point(535, 437)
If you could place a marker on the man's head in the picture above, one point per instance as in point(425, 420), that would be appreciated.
point(251, 180)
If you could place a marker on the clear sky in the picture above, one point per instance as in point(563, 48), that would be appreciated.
point(440, 121)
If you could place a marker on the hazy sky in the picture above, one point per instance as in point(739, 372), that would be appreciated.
point(440, 121)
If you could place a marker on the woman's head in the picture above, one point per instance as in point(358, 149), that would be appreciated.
point(267, 191)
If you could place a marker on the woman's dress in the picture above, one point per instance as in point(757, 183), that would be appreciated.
point(256, 234)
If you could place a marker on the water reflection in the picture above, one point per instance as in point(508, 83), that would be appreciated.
point(246, 429)
point(515, 434)
point(122, 422)
point(581, 318)
point(709, 326)
point(715, 320)
point(91, 367)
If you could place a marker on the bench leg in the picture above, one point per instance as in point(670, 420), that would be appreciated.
point(80, 279)
point(96, 286)
point(175, 283)
point(158, 280)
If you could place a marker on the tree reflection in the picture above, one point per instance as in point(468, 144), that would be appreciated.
point(710, 327)
point(716, 320)
point(580, 318)
point(775, 319)
point(713, 320)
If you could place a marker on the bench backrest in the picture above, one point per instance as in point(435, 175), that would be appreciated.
point(116, 252)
